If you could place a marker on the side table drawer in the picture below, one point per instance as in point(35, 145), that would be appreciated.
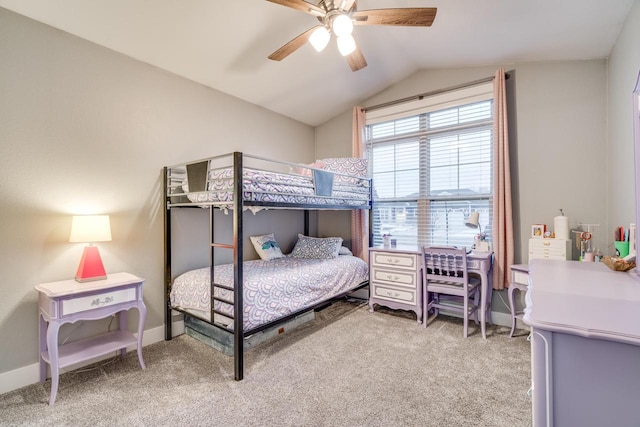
point(395, 260)
point(395, 277)
point(394, 294)
point(92, 302)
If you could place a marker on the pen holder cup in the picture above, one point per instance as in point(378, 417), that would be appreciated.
point(622, 249)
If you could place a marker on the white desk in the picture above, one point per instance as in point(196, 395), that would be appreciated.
point(585, 345)
point(479, 263)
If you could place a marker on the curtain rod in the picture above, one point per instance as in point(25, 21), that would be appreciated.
point(434, 92)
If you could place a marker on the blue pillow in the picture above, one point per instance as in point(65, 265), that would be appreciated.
point(266, 247)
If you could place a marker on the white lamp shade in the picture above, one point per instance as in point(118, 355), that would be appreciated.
point(473, 220)
point(342, 25)
point(319, 38)
point(346, 45)
point(90, 228)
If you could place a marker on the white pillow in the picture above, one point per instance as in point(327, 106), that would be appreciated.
point(266, 247)
point(344, 251)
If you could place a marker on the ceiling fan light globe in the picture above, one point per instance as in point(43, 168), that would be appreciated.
point(319, 39)
point(342, 25)
point(346, 45)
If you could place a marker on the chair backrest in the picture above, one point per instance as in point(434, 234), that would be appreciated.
point(444, 264)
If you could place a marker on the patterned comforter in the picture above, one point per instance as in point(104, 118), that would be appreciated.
point(272, 289)
point(264, 186)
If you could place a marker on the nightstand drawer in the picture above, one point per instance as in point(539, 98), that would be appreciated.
point(395, 260)
point(394, 294)
point(395, 277)
point(92, 302)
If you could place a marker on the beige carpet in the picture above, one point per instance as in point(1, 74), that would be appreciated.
point(348, 367)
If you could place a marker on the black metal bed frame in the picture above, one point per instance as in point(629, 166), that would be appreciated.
point(238, 249)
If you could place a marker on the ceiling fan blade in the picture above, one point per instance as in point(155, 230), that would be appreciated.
point(356, 60)
point(411, 16)
point(302, 6)
point(292, 46)
point(348, 5)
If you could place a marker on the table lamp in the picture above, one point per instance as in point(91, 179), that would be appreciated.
point(90, 229)
point(473, 221)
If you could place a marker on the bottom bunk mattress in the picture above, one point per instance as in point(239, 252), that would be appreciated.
point(271, 289)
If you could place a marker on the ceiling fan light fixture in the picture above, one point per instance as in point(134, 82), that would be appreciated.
point(319, 39)
point(346, 45)
point(342, 25)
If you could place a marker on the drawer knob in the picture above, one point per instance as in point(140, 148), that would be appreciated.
point(393, 278)
point(98, 303)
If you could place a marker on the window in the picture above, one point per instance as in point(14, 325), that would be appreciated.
point(431, 164)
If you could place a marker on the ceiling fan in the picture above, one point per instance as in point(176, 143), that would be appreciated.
point(339, 17)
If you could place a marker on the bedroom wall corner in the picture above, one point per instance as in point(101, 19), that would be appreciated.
point(84, 129)
point(622, 72)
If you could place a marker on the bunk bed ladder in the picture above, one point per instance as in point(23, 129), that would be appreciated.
point(237, 247)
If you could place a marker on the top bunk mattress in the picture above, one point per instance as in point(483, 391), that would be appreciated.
point(333, 183)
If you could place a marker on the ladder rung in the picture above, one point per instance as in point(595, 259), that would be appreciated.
point(222, 245)
point(228, 288)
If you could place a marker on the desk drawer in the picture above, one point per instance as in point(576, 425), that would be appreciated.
point(395, 277)
point(394, 294)
point(92, 302)
point(520, 277)
point(395, 260)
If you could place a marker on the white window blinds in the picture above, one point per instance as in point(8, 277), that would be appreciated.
point(431, 166)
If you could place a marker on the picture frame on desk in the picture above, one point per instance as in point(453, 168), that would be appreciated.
point(538, 230)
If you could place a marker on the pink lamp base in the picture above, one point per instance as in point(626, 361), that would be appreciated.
point(91, 267)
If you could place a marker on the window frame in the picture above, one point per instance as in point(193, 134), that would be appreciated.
point(424, 200)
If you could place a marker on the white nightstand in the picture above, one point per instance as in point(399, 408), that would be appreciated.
point(68, 301)
point(394, 280)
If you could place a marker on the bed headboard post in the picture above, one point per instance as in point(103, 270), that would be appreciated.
point(306, 222)
point(167, 255)
point(238, 304)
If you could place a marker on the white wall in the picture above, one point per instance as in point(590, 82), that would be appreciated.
point(623, 69)
point(86, 130)
point(557, 138)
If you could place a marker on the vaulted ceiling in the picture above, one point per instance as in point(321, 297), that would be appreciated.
point(225, 44)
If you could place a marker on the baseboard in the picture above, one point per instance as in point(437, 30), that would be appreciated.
point(27, 375)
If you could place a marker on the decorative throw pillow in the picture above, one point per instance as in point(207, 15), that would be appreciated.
point(347, 165)
point(316, 248)
point(266, 247)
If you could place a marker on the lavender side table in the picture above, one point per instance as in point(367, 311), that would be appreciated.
point(68, 301)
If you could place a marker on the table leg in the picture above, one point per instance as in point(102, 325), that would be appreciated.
point(123, 326)
point(484, 290)
point(143, 314)
point(42, 332)
point(52, 344)
point(512, 307)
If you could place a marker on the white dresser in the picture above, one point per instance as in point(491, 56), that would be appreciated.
point(394, 281)
point(549, 249)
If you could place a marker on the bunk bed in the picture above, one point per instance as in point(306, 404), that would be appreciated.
point(214, 183)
